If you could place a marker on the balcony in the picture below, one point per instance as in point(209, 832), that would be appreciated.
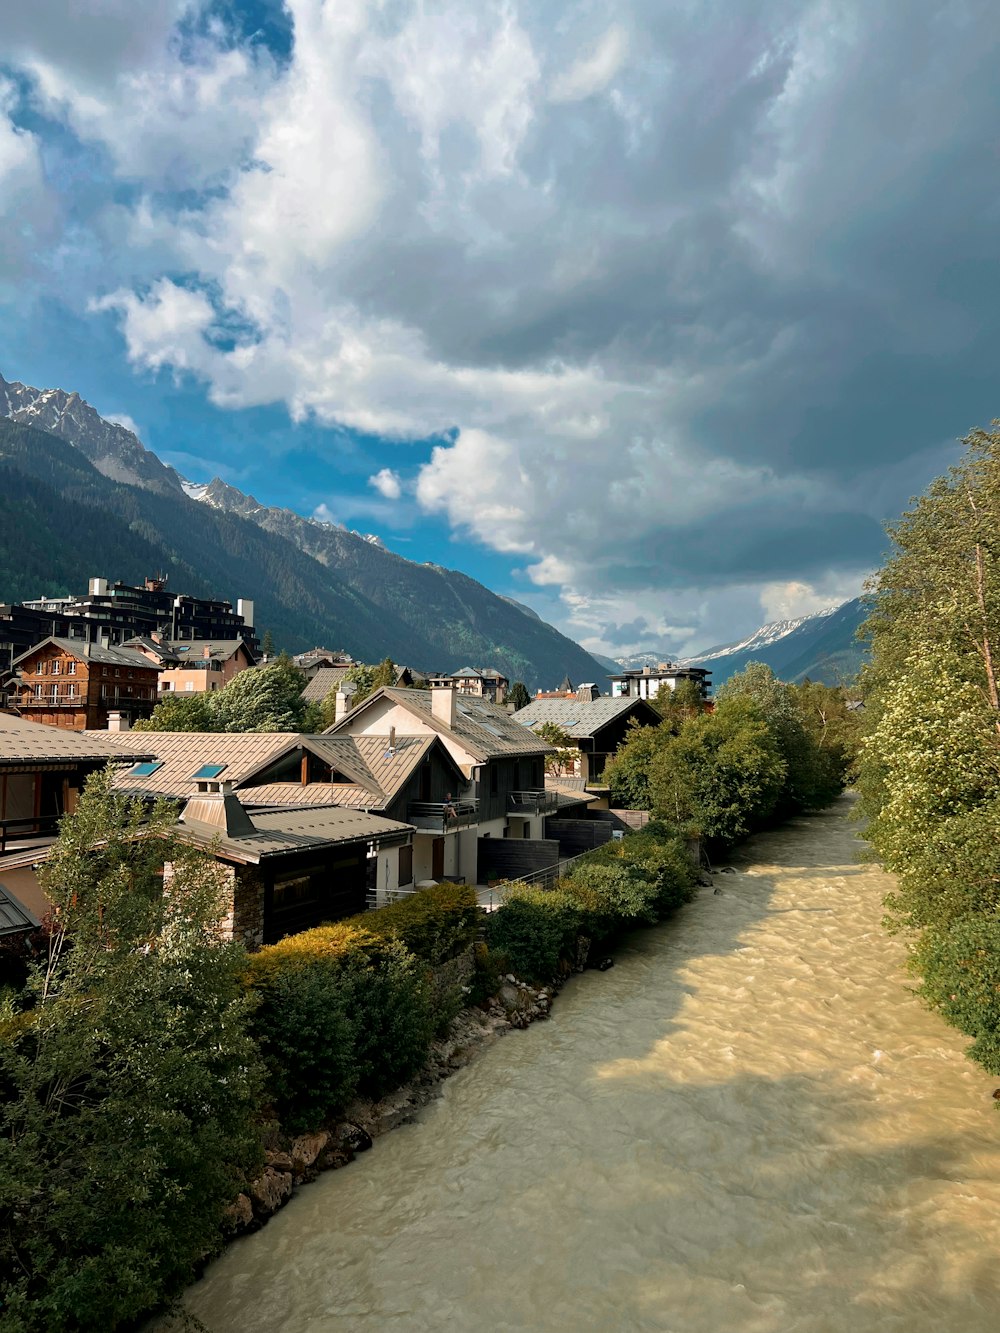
point(532, 802)
point(442, 816)
point(56, 699)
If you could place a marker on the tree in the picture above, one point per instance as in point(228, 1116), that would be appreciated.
point(684, 701)
point(723, 773)
point(929, 772)
point(566, 753)
point(518, 696)
point(129, 1081)
point(180, 712)
point(627, 772)
point(261, 698)
point(267, 645)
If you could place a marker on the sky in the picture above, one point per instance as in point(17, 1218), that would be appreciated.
point(648, 314)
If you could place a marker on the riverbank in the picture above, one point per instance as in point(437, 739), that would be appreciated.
point(749, 1123)
point(294, 1161)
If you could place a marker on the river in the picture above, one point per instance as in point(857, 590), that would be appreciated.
point(749, 1125)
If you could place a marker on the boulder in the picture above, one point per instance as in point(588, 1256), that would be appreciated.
point(306, 1148)
point(269, 1191)
point(239, 1214)
point(353, 1138)
point(280, 1160)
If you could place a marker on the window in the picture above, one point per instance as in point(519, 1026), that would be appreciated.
point(145, 770)
point(71, 668)
point(38, 691)
point(209, 771)
point(55, 668)
point(405, 865)
point(117, 673)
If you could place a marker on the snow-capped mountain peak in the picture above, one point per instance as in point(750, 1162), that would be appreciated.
point(761, 638)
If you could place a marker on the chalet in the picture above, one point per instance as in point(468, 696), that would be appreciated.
point(197, 666)
point(323, 680)
point(646, 683)
point(77, 685)
point(595, 726)
point(286, 870)
point(477, 682)
point(498, 791)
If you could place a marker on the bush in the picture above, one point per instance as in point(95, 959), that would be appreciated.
point(625, 891)
point(342, 1010)
point(961, 978)
point(436, 923)
point(534, 928)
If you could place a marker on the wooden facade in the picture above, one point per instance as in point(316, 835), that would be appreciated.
point(77, 686)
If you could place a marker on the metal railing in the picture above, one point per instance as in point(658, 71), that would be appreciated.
point(533, 802)
point(442, 816)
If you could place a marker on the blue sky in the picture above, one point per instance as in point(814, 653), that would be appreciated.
point(648, 314)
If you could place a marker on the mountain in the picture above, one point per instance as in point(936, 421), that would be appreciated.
point(820, 646)
point(81, 496)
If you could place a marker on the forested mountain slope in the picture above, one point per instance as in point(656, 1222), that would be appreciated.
point(62, 520)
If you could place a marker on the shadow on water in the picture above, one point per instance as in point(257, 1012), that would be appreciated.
point(701, 1140)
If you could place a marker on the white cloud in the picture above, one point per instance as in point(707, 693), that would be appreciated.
point(324, 514)
point(632, 325)
point(122, 419)
point(387, 483)
point(594, 71)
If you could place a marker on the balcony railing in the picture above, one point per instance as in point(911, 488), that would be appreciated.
point(442, 816)
point(61, 699)
point(17, 830)
point(532, 802)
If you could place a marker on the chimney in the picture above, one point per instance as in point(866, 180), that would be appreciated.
point(219, 810)
point(343, 705)
point(118, 722)
point(206, 652)
point(443, 704)
point(392, 738)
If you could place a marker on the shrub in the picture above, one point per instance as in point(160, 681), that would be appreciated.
point(534, 928)
point(435, 923)
point(625, 890)
point(342, 1010)
point(961, 978)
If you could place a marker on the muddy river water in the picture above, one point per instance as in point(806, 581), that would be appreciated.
point(749, 1125)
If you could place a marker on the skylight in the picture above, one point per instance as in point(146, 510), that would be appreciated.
point(209, 771)
point(145, 770)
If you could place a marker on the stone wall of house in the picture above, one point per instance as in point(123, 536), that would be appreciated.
point(248, 906)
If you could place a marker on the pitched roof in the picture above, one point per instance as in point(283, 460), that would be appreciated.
point(581, 719)
point(325, 680)
point(182, 753)
point(341, 753)
point(191, 650)
point(15, 918)
point(484, 729)
point(94, 652)
point(280, 832)
point(23, 742)
point(288, 794)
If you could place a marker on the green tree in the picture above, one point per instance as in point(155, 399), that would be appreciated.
point(518, 696)
point(180, 712)
point(565, 753)
point(929, 771)
point(267, 645)
point(129, 1081)
point(627, 773)
point(723, 773)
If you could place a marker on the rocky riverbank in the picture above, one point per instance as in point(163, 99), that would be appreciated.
point(293, 1162)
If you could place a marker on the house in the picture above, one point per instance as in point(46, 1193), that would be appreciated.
point(476, 681)
point(320, 659)
point(78, 685)
point(42, 771)
point(493, 788)
point(197, 666)
point(595, 726)
point(323, 680)
point(285, 771)
point(286, 870)
point(646, 683)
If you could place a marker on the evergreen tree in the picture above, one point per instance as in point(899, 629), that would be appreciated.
point(518, 696)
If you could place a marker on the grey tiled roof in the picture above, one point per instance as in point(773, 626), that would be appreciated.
point(280, 832)
point(93, 652)
point(484, 729)
point(325, 680)
point(580, 720)
point(23, 742)
point(183, 752)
